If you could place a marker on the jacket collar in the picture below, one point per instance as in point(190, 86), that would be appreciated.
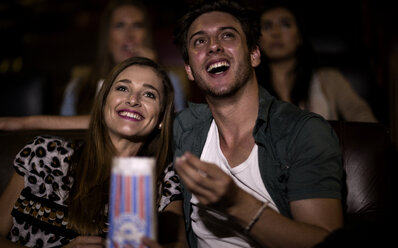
point(265, 102)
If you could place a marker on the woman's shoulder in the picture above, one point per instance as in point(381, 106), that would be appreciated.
point(170, 188)
point(80, 71)
point(44, 162)
point(331, 79)
point(44, 152)
point(328, 72)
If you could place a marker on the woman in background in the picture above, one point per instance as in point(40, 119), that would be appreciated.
point(60, 191)
point(125, 32)
point(287, 69)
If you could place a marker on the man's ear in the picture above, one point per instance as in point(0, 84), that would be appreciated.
point(255, 57)
point(189, 72)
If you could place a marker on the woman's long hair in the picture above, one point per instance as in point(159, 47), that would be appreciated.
point(87, 87)
point(91, 167)
point(304, 67)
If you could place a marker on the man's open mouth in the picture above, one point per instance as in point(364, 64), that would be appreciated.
point(218, 67)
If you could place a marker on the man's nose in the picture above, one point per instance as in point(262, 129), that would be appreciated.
point(215, 45)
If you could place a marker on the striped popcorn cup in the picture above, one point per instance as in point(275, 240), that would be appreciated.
point(132, 203)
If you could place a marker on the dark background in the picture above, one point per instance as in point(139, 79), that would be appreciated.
point(41, 40)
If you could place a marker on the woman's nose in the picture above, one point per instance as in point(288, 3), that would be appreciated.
point(130, 32)
point(276, 29)
point(133, 100)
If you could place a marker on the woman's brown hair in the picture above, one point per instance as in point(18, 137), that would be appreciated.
point(91, 168)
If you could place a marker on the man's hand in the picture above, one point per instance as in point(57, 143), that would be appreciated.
point(212, 186)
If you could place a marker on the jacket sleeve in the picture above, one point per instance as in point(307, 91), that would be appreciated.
point(315, 161)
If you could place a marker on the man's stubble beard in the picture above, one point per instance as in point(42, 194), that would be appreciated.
point(241, 78)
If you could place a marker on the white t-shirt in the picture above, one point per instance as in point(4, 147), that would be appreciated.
point(210, 227)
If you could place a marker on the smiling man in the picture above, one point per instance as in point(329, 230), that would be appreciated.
point(256, 171)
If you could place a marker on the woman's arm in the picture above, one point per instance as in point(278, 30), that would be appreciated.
point(7, 201)
point(171, 227)
point(349, 103)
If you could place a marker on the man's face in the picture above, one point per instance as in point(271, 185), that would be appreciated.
point(219, 60)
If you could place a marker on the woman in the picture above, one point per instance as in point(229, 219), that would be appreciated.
point(132, 116)
point(124, 32)
point(287, 70)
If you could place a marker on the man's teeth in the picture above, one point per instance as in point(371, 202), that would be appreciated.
point(131, 115)
point(218, 65)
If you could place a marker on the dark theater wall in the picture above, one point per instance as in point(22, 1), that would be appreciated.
point(42, 39)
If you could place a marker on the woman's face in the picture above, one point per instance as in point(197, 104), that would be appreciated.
point(134, 103)
point(127, 33)
point(280, 36)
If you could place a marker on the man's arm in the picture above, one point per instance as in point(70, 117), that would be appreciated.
point(44, 122)
point(313, 219)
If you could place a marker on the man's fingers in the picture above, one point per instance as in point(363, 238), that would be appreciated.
point(190, 175)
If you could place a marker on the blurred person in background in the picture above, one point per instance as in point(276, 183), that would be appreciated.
point(287, 69)
point(125, 32)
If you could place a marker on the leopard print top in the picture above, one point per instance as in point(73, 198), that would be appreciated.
point(40, 213)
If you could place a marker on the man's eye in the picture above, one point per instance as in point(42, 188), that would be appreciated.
point(199, 42)
point(228, 35)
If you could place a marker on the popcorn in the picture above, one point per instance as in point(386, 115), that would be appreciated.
point(132, 206)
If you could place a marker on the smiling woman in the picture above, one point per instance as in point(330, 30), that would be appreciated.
point(134, 105)
point(132, 116)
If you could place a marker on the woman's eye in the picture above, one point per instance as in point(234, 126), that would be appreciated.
point(266, 26)
point(138, 25)
point(150, 95)
point(121, 88)
point(118, 25)
point(286, 24)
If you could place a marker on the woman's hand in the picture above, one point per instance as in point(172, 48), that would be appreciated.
point(87, 241)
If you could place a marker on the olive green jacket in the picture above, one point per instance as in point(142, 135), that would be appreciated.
point(299, 154)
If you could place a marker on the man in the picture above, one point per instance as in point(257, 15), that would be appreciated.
point(255, 171)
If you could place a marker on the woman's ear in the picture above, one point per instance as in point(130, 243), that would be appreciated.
point(255, 57)
point(189, 72)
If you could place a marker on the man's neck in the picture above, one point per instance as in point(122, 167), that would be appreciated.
point(235, 117)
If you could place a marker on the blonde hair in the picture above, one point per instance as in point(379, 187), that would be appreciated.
point(92, 165)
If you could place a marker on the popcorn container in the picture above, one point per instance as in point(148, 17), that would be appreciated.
point(132, 207)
